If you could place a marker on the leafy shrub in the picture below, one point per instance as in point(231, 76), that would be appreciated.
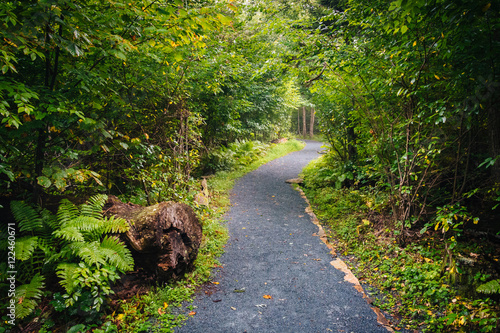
point(414, 281)
point(221, 159)
point(236, 154)
point(75, 246)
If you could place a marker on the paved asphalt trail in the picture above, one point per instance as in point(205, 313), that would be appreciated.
point(272, 251)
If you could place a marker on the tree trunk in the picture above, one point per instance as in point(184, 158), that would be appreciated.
point(304, 127)
point(164, 238)
point(311, 123)
point(298, 121)
point(494, 138)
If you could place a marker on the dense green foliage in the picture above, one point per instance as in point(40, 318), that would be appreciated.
point(407, 100)
point(163, 307)
point(76, 246)
point(406, 94)
point(139, 98)
point(408, 282)
point(126, 96)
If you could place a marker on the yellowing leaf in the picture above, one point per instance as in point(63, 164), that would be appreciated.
point(232, 7)
point(224, 19)
point(120, 316)
point(165, 305)
point(414, 43)
point(437, 77)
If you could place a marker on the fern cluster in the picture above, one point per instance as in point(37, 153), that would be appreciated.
point(491, 287)
point(75, 245)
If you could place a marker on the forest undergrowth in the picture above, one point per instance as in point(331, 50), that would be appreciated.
point(154, 308)
point(413, 282)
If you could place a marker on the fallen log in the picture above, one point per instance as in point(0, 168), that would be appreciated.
point(164, 238)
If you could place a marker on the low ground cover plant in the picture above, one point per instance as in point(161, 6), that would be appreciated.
point(435, 282)
point(76, 247)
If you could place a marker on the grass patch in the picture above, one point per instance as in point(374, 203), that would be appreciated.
point(160, 310)
point(411, 283)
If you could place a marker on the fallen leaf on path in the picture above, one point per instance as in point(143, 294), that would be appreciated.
point(268, 297)
point(215, 282)
point(232, 308)
point(192, 313)
point(317, 259)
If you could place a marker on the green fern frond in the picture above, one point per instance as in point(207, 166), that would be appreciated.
point(67, 212)
point(28, 268)
point(27, 217)
point(70, 233)
point(89, 252)
point(115, 225)
point(25, 246)
point(117, 254)
point(49, 219)
point(47, 243)
point(28, 295)
point(87, 223)
point(56, 257)
point(93, 207)
point(491, 287)
point(66, 272)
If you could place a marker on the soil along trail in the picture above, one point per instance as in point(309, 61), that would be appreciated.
point(276, 275)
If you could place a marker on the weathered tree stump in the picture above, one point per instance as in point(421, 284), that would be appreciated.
point(164, 238)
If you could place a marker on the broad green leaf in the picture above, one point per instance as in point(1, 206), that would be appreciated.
point(44, 181)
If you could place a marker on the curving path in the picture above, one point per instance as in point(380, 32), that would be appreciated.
point(272, 251)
